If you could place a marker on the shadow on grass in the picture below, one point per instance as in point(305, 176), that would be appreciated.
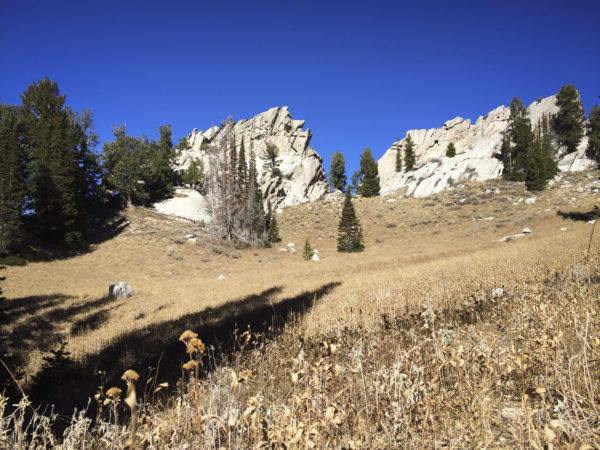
point(142, 349)
point(581, 216)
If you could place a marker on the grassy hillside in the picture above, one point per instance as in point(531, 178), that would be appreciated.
point(441, 333)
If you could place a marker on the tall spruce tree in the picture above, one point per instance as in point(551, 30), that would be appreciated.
point(337, 172)
point(273, 235)
point(369, 184)
point(409, 154)
point(398, 155)
point(521, 135)
point(594, 133)
point(255, 211)
point(541, 164)
point(57, 171)
point(12, 178)
point(568, 122)
point(194, 175)
point(271, 160)
point(242, 167)
point(451, 150)
point(350, 238)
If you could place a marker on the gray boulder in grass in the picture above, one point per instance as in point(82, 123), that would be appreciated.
point(121, 290)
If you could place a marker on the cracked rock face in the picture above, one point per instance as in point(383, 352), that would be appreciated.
point(477, 147)
point(302, 176)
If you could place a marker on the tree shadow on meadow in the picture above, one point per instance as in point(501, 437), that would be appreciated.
point(69, 385)
point(581, 216)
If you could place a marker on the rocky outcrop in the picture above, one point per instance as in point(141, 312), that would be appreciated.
point(302, 176)
point(477, 150)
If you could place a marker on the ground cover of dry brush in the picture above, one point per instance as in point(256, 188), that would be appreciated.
point(410, 344)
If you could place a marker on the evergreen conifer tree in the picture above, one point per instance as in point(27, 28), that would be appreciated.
point(398, 156)
point(337, 172)
point(12, 178)
point(194, 175)
point(506, 154)
point(594, 133)
point(57, 172)
point(308, 251)
point(451, 150)
point(354, 181)
point(271, 159)
point(521, 135)
point(242, 167)
point(568, 122)
point(409, 154)
point(350, 238)
point(273, 235)
point(369, 184)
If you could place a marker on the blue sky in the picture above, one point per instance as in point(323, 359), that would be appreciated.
point(360, 73)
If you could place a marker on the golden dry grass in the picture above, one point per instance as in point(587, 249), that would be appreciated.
point(428, 263)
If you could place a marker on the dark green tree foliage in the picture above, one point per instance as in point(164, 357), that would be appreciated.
point(242, 167)
point(12, 178)
point(369, 183)
point(541, 165)
point(140, 170)
point(409, 154)
point(255, 213)
point(271, 159)
point(273, 235)
point(354, 181)
point(194, 175)
point(398, 156)
point(308, 251)
point(59, 164)
point(568, 122)
point(350, 238)
point(451, 150)
point(337, 172)
point(521, 137)
point(594, 133)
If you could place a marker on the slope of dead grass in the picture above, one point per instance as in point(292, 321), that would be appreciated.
point(422, 353)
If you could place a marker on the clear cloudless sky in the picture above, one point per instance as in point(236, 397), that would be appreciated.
point(360, 73)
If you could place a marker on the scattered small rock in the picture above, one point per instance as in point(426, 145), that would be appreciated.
point(283, 250)
point(563, 229)
point(189, 236)
point(292, 250)
point(235, 255)
point(526, 230)
point(291, 244)
point(497, 293)
point(315, 257)
point(530, 200)
point(221, 277)
point(121, 290)
point(592, 222)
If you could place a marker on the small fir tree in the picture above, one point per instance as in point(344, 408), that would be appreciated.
point(271, 159)
point(354, 181)
point(337, 172)
point(409, 154)
point(398, 156)
point(369, 184)
point(273, 235)
point(194, 175)
point(350, 238)
point(568, 122)
point(451, 150)
point(594, 133)
point(242, 167)
point(308, 251)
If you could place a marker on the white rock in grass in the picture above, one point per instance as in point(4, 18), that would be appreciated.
point(315, 257)
point(497, 293)
point(563, 229)
point(283, 250)
point(526, 230)
point(291, 244)
point(221, 277)
point(292, 250)
point(591, 222)
point(530, 200)
point(121, 290)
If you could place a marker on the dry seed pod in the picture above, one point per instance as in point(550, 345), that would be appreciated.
point(187, 335)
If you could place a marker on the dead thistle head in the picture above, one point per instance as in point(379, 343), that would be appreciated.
point(187, 335)
point(195, 345)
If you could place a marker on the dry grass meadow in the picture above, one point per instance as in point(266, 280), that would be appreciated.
point(408, 344)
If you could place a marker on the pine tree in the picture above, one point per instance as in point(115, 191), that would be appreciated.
point(12, 179)
point(547, 148)
point(535, 179)
point(568, 122)
point(273, 235)
point(242, 167)
point(308, 251)
point(337, 172)
point(194, 175)
point(160, 176)
point(57, 176)
point(506, 155)
point(409, 154)
point(354, 181)
point(451, 150)
point(255, 213)
point(521, 135)
point(350, 238)
point(594, 133)
point(398, 156)
point(369, 184)
point(271, 159)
